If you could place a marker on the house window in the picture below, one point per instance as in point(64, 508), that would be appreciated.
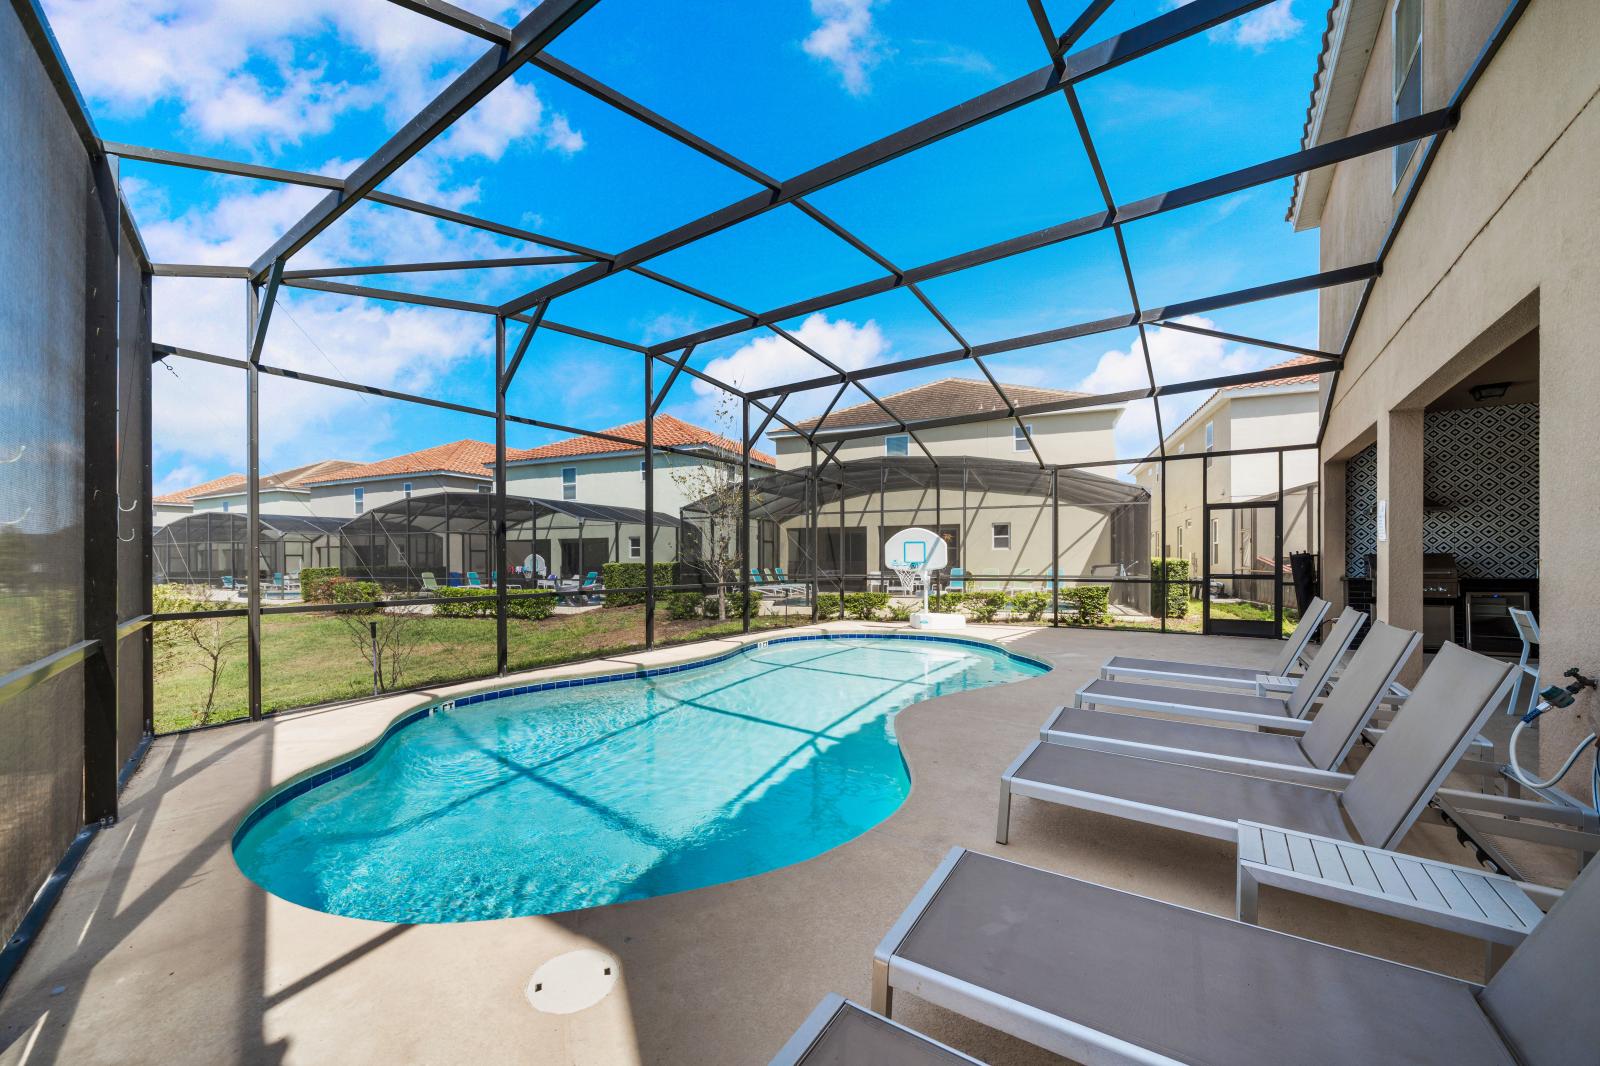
point(361, 500)
point(1211, 436)
point(635, 548)
point(406, 488)
point(1407, 74)
point(569, 483)
point(1019, 437)
point(899, 444)
point(1001, 532)
point(1216, 542)
point(483, 489)
point(227, 505)
point(644, 472)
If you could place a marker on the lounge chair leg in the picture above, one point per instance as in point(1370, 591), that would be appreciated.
point(1002, 829)
point(882, 994)
point(1494, 957)
point(1245, 894)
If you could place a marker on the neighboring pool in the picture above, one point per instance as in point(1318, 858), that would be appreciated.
point(552, 800)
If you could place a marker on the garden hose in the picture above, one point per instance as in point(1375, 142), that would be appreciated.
point(1552, 697)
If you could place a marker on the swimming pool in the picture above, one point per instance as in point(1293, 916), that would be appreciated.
point(542, 801)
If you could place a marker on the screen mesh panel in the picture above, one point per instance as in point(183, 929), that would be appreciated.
point(44, 182)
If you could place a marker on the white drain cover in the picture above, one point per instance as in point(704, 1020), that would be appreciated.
point(572, 982)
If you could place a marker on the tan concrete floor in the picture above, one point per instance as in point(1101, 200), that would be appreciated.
point(160, 951)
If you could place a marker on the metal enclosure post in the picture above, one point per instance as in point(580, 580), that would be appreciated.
point(501, 600)
point(744, 521)
point(103, 230)
point(650, 505)
point(1055, 546)
point(146, 515)
point(252, 422)
point(816, 522)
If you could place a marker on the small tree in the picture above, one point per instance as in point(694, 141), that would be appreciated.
point(207, 641)
point(385, 636)
point(718, 489)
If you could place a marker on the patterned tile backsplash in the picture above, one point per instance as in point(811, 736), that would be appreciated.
point(1481, 483)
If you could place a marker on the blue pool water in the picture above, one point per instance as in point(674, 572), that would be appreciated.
point(560, 799)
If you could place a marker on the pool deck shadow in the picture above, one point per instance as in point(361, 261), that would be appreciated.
point(161, 951)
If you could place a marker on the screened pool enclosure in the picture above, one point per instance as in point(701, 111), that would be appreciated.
point(451, 535)
point(1091, 271)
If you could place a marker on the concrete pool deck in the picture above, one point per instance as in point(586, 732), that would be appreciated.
point(161, 951)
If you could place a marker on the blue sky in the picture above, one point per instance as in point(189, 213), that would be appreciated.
point(786, 84)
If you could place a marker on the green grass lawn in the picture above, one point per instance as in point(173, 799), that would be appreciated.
point(308, 659)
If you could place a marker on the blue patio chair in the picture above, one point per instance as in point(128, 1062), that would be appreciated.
point(958, 581)
point(227, 581)
point(472, 580)
point(429, 582)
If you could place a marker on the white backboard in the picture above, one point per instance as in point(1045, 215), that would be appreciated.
point(917, 549)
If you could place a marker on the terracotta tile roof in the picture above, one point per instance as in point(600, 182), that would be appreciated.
point(668, 430)
point(298, 477)
point(1299, 379)
point(459, 457)
point(187, 495)
point(948, 396)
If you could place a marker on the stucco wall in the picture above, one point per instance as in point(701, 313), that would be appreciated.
point(1069, 437)
point(1503, 238)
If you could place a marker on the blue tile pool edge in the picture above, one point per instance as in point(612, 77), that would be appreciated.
point(318, 776)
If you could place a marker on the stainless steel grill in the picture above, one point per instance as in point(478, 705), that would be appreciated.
point(1441, 599)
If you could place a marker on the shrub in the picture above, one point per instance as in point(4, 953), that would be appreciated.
point(1089, 604)
point(946, 602)
point(314, 582)
point(631, 576)
point(683, 606)
point(348, 590)
point(1176, 571)
point(828, 606)
point(480, 603)
point(865, 606)
point(710, 606)
point(983, 606)
point(1030, 605)
point(900, 612)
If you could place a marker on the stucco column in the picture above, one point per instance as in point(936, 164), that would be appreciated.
point(1330, 567)
point(1399, 591)
point(1569, 485)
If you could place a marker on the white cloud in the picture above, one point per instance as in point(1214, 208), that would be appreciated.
point(1261, 27)
point(773, 360)
point(847, 39)
point(1175, 356)
point(255, 74)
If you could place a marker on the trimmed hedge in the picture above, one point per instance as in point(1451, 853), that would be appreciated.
point(684, 606)
point(1090, 603)
point(631, 575)
point(1030, 605)
point(480, 603)
point(866, 606)
point(1176, 572)
point(946, 602)
point(829, 607)
point(314, 582)
point(983, 606)
point(347, 590)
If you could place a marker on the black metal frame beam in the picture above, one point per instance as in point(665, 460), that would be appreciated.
point(541, 26)
point(1141, 40)
point(1160, 315)
point(1236, 181)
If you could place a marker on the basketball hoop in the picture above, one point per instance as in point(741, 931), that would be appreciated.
point(912, 554)
point(908, 577)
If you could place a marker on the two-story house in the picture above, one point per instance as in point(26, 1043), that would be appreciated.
point(1461, 425)
point(989, 531)
point(1259, 415)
